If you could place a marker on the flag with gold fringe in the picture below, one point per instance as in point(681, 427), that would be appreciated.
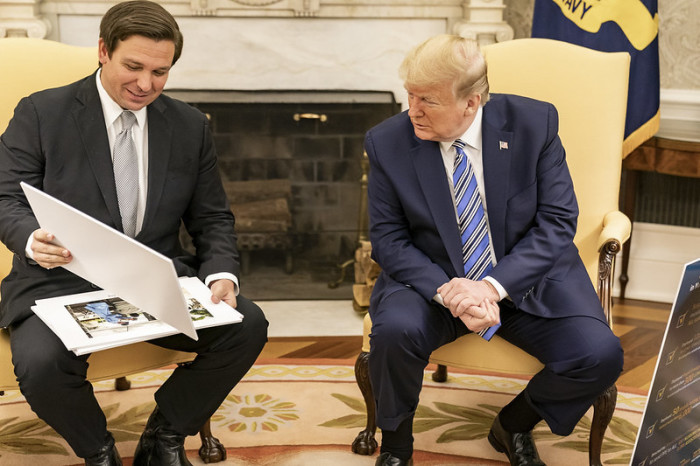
point(613, 26)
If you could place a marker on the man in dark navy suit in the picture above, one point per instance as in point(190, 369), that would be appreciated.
point(64, 141)
point(530, 278)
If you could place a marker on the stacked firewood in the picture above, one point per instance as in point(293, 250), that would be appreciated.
point(260, 206)
point(263, 216)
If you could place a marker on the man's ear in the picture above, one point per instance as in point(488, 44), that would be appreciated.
point(102, 54)
point(472, 104)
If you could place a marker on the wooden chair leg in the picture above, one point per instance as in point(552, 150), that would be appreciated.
point(211, 451)
point(121, 384)
point(365, 443)
point(440, 375)
point(603, 410)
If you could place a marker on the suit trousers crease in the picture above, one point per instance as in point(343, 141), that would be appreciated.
point(53, 379)
point(582, 357)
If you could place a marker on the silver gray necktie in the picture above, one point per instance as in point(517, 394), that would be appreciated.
point(126, 173)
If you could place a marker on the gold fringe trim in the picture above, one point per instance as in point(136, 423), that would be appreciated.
point(641, 134)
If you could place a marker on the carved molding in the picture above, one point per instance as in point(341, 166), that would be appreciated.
point(483, 22)
point(518, 14)
point(19, 18)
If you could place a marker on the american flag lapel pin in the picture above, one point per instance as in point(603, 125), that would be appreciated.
point(502, 145)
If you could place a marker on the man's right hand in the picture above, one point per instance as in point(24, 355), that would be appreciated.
point(47, 254)
point(485, 315)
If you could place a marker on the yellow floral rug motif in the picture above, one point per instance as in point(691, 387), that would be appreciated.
point(310, 414)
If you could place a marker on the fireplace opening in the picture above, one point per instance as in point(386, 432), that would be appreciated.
point(292, 165)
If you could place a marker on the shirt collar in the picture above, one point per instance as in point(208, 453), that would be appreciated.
point(472, 136)
point(111, 109)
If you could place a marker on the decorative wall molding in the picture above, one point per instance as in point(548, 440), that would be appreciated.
point(657, 256)
point(680, 114)
point(480, 19)
point(21, 18)
point(483, 22)
point(366, 9)
point(518, 14)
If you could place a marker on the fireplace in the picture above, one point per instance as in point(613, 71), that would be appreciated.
point(292, 165)
point(340, 57)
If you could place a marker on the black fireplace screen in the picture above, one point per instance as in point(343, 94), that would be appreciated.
point(291, 166)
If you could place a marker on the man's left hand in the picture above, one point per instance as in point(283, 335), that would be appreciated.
point(223, 290)
point(464, 296)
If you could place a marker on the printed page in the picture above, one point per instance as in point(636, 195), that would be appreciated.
point(89, 322)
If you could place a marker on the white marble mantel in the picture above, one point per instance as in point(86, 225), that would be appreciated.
point(279, 44)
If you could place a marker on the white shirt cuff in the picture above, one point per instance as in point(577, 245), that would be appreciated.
point(502, 293)
point(28, 249)
point(221, 276)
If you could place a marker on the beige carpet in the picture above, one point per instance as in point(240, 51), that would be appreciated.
point(301, 414)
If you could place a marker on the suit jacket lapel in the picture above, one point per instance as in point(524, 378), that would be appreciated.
point(497, 146)
point(91, 126)
point(159, 153)
point(427, 161)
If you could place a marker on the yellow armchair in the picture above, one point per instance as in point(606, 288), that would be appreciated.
point(589, 89)
point(31, 65)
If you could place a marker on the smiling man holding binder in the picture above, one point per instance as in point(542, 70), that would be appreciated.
point(113, 147)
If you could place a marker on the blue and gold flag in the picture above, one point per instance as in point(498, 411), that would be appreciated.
point(613, 26)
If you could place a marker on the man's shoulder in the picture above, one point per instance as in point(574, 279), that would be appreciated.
point(170, 104)
point(397, 123)
point(67, 91)
point(515, 100)
point(511, 111)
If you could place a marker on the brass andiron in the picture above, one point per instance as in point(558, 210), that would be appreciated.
point(362, 223)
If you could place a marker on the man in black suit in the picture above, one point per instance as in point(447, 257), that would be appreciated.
point(62, 141)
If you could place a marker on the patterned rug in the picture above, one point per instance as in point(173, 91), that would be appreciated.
point(303, 413)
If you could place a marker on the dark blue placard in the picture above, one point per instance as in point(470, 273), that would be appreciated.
point(670, 429)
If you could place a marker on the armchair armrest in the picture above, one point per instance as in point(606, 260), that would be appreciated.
point(616, 226)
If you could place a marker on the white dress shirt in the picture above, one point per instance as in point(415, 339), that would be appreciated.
point(139, 133)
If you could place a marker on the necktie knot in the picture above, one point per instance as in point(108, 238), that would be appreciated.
point(459, 144)
point(128, 119)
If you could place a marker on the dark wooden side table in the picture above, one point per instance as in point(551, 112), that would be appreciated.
point(665, 156)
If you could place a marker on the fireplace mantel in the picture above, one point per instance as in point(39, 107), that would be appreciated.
point(480, 19)
point(354, 45)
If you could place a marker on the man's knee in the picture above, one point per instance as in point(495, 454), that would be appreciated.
point(609, 358)
point(41, 371)
point(599, 362)
point(254, 323)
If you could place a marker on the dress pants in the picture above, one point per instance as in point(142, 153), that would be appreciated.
point(581, 355)
point(53, 379)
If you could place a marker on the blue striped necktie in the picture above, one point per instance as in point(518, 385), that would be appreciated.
point(476, 248)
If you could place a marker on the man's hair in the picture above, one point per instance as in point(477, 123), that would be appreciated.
point(447, 58)
point(139, 18)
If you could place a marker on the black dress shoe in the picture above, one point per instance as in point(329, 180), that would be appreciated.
point(387, 459)
point(106, 456)
point(520, 447)
point(160, 445)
